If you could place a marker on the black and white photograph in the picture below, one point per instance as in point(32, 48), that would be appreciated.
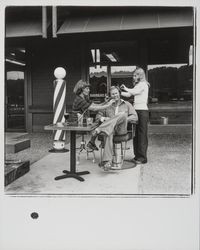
point(99, 126)
point(99, 100)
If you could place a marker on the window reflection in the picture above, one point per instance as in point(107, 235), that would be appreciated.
point(170, 83)
point(122, 75)
point(98, 82)
point(15, 100)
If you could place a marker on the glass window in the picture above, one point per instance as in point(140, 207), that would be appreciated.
point(122, 75)
point(170, 83)
point(98, 81)
point(14, 88)
point(15, 100)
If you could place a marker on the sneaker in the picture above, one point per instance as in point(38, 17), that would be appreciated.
point(106, 165)
point(92, 146)
point(118, 167)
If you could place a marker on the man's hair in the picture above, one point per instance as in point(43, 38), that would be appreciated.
point(115, 87)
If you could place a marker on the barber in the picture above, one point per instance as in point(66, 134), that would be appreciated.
point(140, 92)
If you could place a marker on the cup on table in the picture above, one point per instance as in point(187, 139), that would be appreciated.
point(89, 121)
point(66, 115)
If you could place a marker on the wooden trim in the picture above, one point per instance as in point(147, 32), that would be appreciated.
point(44, 21)
point(85, 62)
point(26, 98)
point(54, 21)
point(108, 78)
point(39, 109)
point(171, 110)
point(143, 53)
point(29, 118)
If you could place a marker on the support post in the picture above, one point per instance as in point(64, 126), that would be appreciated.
point(54, 21)
point(44, 21)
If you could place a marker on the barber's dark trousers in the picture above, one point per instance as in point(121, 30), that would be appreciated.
point(140, 141)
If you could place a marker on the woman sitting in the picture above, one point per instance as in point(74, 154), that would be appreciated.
point(82, 104)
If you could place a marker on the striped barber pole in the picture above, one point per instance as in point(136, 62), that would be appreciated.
point(59, 104)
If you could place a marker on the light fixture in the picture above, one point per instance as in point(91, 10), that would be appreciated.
point(95, 55)
point(111, 57)
point(22, 50)
point(15, 62)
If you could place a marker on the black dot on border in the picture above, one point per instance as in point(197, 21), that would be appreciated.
point(34, 215)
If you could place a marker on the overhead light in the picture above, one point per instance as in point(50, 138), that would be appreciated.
point(22, 50)
point(111, 57)
point(15, 62)
point(95, 55)
point(12, 53)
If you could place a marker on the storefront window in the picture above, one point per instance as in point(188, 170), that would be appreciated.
point(170, 83)
point(122, 75)
point(14, 89)
point(111, 63)
point(98, 81)
point(15, 100)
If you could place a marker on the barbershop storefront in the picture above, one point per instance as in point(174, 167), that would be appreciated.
point(102, 45)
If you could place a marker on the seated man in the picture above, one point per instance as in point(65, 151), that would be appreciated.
point(114, 121)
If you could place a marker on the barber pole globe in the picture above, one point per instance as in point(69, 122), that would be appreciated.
point(59, 105)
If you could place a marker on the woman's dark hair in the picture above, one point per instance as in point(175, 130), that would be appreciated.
point(80, 85)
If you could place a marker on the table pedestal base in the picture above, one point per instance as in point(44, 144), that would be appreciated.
point(68, 174)
point(53, 150)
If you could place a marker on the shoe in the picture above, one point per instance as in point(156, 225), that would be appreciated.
point(106, 165)
point(140, 161)
point(116, 167)
point(92, 146)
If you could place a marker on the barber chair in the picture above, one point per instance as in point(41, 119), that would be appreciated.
point(119, 145)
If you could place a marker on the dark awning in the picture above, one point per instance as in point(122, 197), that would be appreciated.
point(151, 19)
point(24, 28)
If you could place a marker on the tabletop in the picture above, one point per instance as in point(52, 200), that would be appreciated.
point(71, 127)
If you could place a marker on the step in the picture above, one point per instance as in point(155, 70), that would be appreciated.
point(15, 169)
point(170, 129)
point(15, 145)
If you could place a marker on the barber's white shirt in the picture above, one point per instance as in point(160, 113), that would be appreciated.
point(140, 92)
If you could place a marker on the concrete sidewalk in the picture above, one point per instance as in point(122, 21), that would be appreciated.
point(40, 179)
point(169, 170)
